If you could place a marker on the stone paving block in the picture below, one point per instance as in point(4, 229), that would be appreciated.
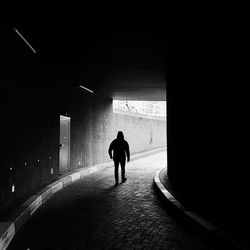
point(83, 173)
point(7, 232)
point(66, 181)
point(201, 221)
point(56, 187)
point(46, 194)
point(178, 205)
point(35, 204)
point(92, 170)
point(22, 216)
point(29, 201)
point(75, 176)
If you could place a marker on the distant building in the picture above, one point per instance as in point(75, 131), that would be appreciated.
point(154, 108)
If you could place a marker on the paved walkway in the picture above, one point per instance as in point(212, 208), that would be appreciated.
point(93, 214)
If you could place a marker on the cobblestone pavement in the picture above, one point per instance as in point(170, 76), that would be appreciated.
point(93, 214)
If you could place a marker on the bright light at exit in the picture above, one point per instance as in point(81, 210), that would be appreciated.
point(151, 108)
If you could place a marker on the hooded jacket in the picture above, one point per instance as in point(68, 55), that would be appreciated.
point(120, 148)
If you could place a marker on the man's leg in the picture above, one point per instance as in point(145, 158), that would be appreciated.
point(116, 171)
point(123, 170)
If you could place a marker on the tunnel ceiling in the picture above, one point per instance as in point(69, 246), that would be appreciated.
point(121, 51)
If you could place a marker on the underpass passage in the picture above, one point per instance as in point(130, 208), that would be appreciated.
point(94, 214)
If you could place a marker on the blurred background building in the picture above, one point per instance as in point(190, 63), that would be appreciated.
point(153, 108)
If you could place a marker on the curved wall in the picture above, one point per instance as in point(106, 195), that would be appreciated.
point(30, 142)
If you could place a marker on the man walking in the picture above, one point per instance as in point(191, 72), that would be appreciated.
point(120, 149)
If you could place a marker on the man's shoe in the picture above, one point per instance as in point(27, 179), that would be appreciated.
point(116, 183)
point(124, 180)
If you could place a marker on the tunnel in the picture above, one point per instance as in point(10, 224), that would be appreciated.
point(62, 67)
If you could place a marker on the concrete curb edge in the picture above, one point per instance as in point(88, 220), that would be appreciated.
point(204, 227)
point(8, 229)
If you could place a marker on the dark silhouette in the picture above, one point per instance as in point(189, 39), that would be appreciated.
point(120, 149)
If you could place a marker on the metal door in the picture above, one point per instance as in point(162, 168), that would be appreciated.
point(64, 144)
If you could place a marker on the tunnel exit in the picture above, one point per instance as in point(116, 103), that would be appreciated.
point(143, 123)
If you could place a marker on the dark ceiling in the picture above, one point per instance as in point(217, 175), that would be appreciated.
point(121, 50)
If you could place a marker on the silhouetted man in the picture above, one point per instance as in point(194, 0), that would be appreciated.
point(120, 149)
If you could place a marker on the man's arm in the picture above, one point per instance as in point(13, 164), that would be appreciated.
point(110, 150)
point(127, 151)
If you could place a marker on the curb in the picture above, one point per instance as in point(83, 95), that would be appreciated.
point(9, 228)
point(208, 230)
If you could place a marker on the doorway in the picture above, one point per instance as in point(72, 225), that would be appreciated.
point(64, 151)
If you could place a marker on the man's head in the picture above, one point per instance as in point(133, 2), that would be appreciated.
point(120, 135)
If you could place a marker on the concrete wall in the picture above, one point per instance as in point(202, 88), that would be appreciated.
point(32, 103)
point(141, 133)
point(96, 126)
point(207, 121)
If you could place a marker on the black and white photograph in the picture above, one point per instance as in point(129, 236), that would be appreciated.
point(124, 126)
